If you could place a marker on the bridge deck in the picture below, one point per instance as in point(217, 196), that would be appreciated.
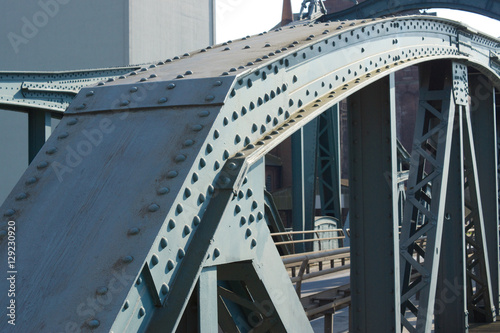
point(484, 328)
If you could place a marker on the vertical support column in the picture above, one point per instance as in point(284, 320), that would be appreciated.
point(426, 195)
point(329, 163)
point(374, 209)
point(304, 178)
point(450, 309)
point(483, 118)
point(207, 301)
point(39, 131)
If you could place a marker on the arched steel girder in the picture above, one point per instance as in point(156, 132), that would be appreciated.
point(150, 172)
point(379, 8)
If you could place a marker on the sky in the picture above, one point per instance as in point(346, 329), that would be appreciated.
point(238, 18)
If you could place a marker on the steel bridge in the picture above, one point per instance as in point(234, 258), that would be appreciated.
point(145, 210)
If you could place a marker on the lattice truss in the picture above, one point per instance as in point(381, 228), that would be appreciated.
point(444, 109)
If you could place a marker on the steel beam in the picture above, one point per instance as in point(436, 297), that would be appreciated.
point(304, 154)
point(483, 116)
point(374, 215)
point(329, 171)
point(207, 301)
point(450, 310)
point(479, 287)
point(429, 163)
point(378, 8)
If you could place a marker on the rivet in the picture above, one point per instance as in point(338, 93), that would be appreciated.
point(254, 205)
point(187, 230)
point(197, 128)
point(250, 63)
point(163, 190)
point(179, 209)
point(218, 83)
point(9, 212)
point(154, 260)
point(225, 73)
point(81, 106)
point(171, 224)
point(216, 253)
point(181, 253)
point(267, 45)
point(42, 165)
point(21, 196)
point(102, 291)
point(249, 192)
point(134, 89)
point(186, 54)
point(237, 209)
point(127, 259)
point(203, 163)
point(226, 49)
point(163, 243)
point(170, 264)
point(210, 98)
point(180, 76)
point(260, 216)
point(168, 60)
point(211, 189)
point(195, 178)
point(180, 158)
point(102, 83)
point(94, 323)
point(172, 174)
point(133, 231)
point(143, 79)
point(232, 166)
point(153, 208)
point(201, 198)
point(138, 281)
point(196, 220)
point(125, 103)
point(249, 232)
point(251, 218)
point(225, 180)
point(142, 312)
point(126, 305)
point(188, 143)
point(203, 114)
point(171, 86)
point(189, 73)
point(144, 69)
point(233, 69)
point(72, 121)
point(63, 135)
point(31, 180)
point(162, 100)
point(164, 289)
point(253, 243)
point(209, 148)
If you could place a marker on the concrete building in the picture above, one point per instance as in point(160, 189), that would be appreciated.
point(69, 35)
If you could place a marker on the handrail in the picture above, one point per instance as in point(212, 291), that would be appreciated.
point(296, 258)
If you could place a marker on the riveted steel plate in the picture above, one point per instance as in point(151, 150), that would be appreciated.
point(144, 95)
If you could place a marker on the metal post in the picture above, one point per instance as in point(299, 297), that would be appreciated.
point(483, 118)
point(450, 309)
point(39, 125)
point(427, 185)
point(374, 209)
point(329, 163)
point(304, 178)
point(207, 301)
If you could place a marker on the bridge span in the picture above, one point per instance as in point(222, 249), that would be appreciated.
point(157, 217)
